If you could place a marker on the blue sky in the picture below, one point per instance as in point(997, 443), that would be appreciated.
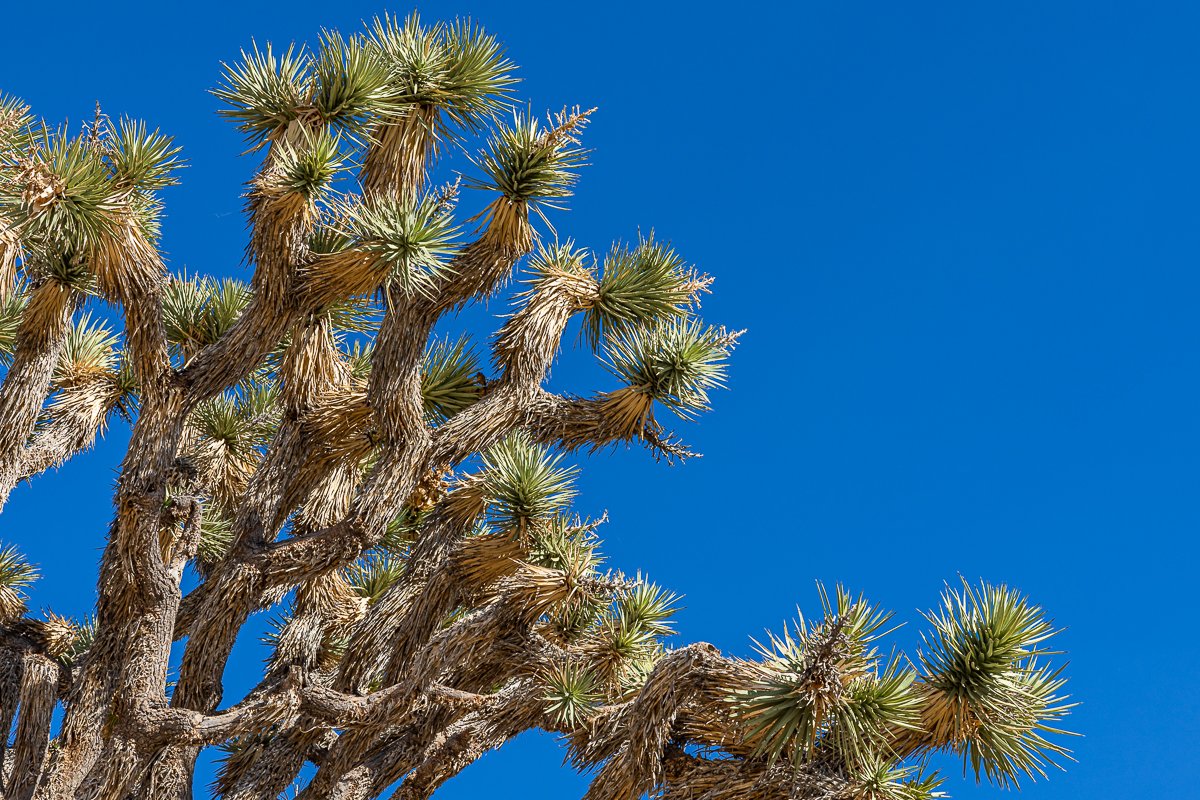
point(963, 242)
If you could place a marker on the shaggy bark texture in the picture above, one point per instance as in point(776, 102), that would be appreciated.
point(305, 443)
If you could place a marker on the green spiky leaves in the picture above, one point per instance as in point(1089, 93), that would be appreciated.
point(351, 82)
point(882, 779)
point(980, 691)
point(567, 545)
point(877, 703)
point(264, 91)
point(676, 363)
point(640, 287)
point(456, 68)
point(649, 608)
point(198, 311)
point(216, 535)
point(448, 378)
point(63, 197)
point(82, 635)
point(523, 482)
point(533, 164)
point(16, 127)
point(16, 573)
point(355, 82)
point(824, 687)
point(570, 694)
point(989, 696)
point(89, 351)
point(370, 577)
point(242, 422)
point(413, 242)
point(305, 166)
point(143, 158)
point(73, 204)
point(12, 308)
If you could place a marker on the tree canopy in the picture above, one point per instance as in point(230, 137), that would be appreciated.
point(307, 442)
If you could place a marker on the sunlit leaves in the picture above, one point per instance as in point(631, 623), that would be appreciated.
point(571, 691)
point(216, 535)
point(63, 197)
point(414, 241)
point(566, 545)
point(988, 696)
point(83, 635)
point(881, 778)
point(455, 68)
point(11, 310)
point(265, 91)
point(89, 351)
point(448, 378)
point(198, 311)
point(523, 481)
point(306, 165)
point(640, 287)
point(822, 687)
point(875, 705)
point(142, 158)
point(351, 82)
point(16, 573)
point(528, 162)
point(648, 607)
point(677, 362)
point(243, 422)
point(16, 125)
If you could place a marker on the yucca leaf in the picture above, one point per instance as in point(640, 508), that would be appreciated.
point(529, 163)
point(640, 287)
point(448, 378)
point(676, 362)
point(524, 481)
point(414, 241)
point(371, 576)
point(351, 87)
point(141, 158)
point(306, 166)
point(571, 690)
point(16, 574)
point(265, 91)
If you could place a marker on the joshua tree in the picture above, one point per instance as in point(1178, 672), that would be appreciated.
point(305, 442)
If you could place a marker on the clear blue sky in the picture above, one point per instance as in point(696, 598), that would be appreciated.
point(964, 243)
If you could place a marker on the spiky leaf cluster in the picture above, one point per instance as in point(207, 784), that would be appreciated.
point(531, 163)
point(90, 350)
point(265, 91)
point(823, 687)
point(216, 535)
point(66, 198)
point(449, 381)
point(676, 363)
point(989, 694)
point(524, 482)
point(16, 573)
point(242, 422)
point(199, 310)
point(413, 241)
point(456, 68)
point(370, 577)
point(571, 691)
point(351, 82)
point(12, 308)
point(640, 287)
point(143, 158)
point(306, 166)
